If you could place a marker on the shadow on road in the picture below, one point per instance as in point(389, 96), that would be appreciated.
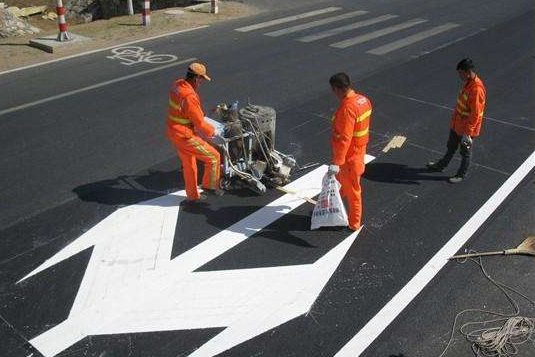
point(288, 223)
point(217, 212)
point(131, 189)
point(398, 173)
point(14, 44)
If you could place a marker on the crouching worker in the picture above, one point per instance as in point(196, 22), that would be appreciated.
point(350, 126)
point(185, 116)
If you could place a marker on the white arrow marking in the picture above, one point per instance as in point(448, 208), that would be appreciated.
point(131, 285)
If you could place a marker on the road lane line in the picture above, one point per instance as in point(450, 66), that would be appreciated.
point(94, 86)
point(283, 20)
point(342, 29)
point(103, 49)
point(452, 109)
point(312, 24)
point(441, 152)
point(409, 40)
point(375, 34)
point(447, 44)
point(402, 299)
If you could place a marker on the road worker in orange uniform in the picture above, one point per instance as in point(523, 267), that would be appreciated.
point(185, 116)
point(465, 122)
point(350, 135)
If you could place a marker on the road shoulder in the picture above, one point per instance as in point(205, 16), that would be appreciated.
point(17, 53)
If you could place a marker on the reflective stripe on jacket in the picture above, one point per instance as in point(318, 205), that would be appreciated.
point(350, 127)
point(185, 113)
point(468, 115)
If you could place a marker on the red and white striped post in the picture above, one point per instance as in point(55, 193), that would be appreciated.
point(145, 12)
point(63, 34)
point(214, 8)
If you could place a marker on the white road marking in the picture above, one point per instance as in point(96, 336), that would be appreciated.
point(452, 109)
point(343, 29)
point(103, 49)
point(409, 40)
point(131, 284)
point(287, 19)
point(316, 23)
point(377, 33)
point(130, 55)
point(94, 86)
point(396, 142)
point(447, 44)
point(401, 300)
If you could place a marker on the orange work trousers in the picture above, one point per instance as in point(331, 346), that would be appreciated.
point(190, 150)
point(349, 178)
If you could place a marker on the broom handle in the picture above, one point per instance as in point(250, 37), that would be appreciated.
point(463, 256)
point(285, 190)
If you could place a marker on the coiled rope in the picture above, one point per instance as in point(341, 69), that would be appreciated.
point(501, 336)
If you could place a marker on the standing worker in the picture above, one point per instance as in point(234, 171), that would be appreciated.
point(350, 127)
point(466, 121)
point(185, 115)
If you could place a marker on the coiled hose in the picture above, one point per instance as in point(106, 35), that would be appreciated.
point(499, 337)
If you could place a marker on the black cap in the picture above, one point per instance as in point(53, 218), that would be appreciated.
point(465, 64)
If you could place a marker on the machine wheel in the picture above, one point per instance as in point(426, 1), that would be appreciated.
point(225, 184)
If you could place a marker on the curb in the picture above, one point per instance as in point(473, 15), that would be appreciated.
point(102, 49)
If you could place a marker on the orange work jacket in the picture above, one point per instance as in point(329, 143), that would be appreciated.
point(185, 113)
point(350, 128)
point(468, 115)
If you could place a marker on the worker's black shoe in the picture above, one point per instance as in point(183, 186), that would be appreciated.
point(217, 192)
point(456, 179)
point(434, 166)
point(343, 229)
point(201, 200)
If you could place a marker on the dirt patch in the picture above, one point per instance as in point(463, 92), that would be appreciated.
point(15, 52)
point(26, 3)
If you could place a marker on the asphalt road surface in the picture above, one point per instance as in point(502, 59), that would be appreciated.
point(87, 174)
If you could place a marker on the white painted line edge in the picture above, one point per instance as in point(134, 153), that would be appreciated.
point(377, 33)
point(409, 40)
point(452, 109)
point(339, 30)
point(444, 45)
point(401, 300)
point(103, 49)
point(309, 25)
point(287, 19)
point(94, 86)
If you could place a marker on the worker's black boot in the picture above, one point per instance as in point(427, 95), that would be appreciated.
point(435, 166)
point(217, 192)
point(201, 200)
point(456, 179)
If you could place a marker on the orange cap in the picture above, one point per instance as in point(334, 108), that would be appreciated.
point(199, 69)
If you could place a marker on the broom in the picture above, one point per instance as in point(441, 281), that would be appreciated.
point(527, 247)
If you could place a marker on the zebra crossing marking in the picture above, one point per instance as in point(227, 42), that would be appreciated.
point(345, 28)
point(316, 23)
point(287, 19)
point(378, 33)
point(348, 42)
point(409, 40)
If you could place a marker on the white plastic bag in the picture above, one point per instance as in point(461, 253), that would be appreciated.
point(217, 139)
point(329, 210)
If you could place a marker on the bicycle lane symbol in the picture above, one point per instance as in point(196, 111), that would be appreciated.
point(130, 55)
